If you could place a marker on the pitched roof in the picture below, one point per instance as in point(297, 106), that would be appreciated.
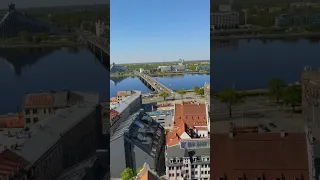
point(51, 99)
point(146, 174)
point(259, 154)
point(191, 114)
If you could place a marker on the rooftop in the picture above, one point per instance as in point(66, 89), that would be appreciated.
point(122, 105)
point(58, 99)
point(160, 112)
point(191, 114)
point(146, 173)
point(253, 155)
point(45, 133)
point(142, 130)
point(78, 171)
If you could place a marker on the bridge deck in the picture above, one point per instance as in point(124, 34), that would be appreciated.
point(155, 84)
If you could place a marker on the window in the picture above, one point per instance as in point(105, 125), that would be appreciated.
point(201, 172)
point(34, 111)
point(35, 120)
point(187, 171)
point(27, 111)
point(28, 120)
point(44, 111)
point(196, 172)
point(178, 174)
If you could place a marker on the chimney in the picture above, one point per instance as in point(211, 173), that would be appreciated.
point(231, 134)
point(283, 134)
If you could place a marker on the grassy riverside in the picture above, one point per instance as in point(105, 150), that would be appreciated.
point(159, 74)
point(43, 44)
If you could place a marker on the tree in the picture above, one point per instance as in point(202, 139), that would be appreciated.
point(127, 174)
point(164, 95)
point(196, 89)
point(181, 92)
point(44, 36)
point(276, 86)
point(201, 92)
point(231, 97)
point(292, 96)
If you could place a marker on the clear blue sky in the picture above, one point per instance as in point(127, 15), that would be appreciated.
point(159, 30)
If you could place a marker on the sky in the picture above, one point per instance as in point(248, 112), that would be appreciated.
point(159, 30)
point(45, 3)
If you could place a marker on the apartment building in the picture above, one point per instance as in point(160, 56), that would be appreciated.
point(121, 110)
point(62, 140)
point(137, 140)
point(225, 20)
point(38, 106)
point(190, 159)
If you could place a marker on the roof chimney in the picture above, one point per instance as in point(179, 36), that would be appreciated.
point(283, 134)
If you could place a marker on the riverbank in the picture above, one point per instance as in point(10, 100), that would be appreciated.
point(267, 36)
point(159, 74)
point(43, 44)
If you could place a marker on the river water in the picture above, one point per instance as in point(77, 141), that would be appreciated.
point(251, 64)
point(186, 81)
point(34, 69)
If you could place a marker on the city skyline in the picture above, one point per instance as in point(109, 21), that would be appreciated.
point(154, 34)
point(49, 3)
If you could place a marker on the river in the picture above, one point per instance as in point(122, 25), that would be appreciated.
point(175, 82)
point(33, 69)
point(251, 64)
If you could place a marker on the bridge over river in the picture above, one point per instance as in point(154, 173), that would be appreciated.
point(155, 85)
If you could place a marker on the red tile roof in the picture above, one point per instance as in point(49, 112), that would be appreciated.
point(113, 113)
point(12, 121)
point(122, 93)
point(39, 100)
point(191, 114)
point(259, 154)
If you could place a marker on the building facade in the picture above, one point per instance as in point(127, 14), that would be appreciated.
point(38, 106)
point(225, 20)
point(186, 161)
point(297, 20)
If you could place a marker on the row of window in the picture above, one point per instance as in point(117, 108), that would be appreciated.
point(35, 111)
point(28, 120)
point(192, 173)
